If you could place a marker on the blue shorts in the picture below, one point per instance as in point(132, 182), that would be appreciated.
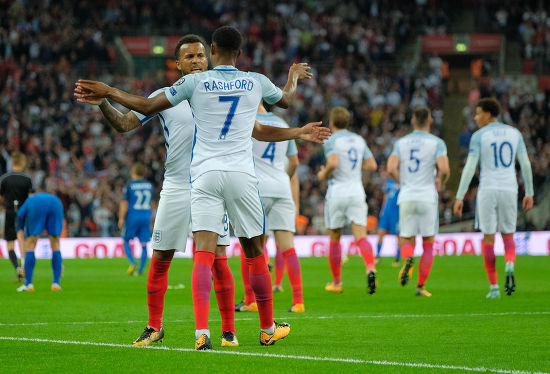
point(137, 227)
point(45, 211)
point(389, 221)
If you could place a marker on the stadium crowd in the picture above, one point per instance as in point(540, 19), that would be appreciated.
point(74, 154)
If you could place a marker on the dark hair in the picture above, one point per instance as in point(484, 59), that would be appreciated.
point(188, 39)
point(489, 105)
point(421, 115)
point(227, 39)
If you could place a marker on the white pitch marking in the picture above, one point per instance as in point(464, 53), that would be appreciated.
point(290, 317)
point(294, 357)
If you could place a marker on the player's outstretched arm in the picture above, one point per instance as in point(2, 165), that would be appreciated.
point(295, 73)
point(312, 132)
point(94, 90)
point(121, 122)
point(393, 167)
point(332, 164)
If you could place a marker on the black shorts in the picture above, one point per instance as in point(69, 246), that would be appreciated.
point(9, 226)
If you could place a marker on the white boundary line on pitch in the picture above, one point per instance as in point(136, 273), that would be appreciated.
point(294, 357)
point(290, 317)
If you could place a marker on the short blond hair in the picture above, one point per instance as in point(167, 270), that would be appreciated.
point(19, 159)
point(139, 170)
point(340, 117)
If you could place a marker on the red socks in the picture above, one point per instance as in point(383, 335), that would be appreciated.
point(249, 297)
point(509, 249)
point(490, 267)
point(407, 250)
point(157, 284)
point(201, 285)
point(279, 267)
point(224, 286)
point(426, 262)
point(260, 280)
point(334, 258)
point(366, 253)
point(294, 275)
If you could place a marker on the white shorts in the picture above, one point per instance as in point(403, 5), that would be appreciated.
point(280, 214)
point(496, 211)
point(216, 191)
point(418, 217)
point(172, 222)
point(342, 210)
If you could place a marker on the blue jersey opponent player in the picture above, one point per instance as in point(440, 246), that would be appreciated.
point(389, 218)
point(134, 217)
point(40, 212)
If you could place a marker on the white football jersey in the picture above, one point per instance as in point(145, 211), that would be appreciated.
point(270, 160)
point(497, 146)
point(224, 102)
point(418, 153)
point(178, 126)
point(346, 179)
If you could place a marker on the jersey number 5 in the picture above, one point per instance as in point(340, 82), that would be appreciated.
point(234, 100)
point(416, 161)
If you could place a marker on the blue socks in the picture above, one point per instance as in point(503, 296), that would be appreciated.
point(30, 261)
point(129, 254)
point(56, 265)
point(378, 248)
point(398, 255)
point(143, 259)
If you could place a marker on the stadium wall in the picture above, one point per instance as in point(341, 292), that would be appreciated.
point(535, 243)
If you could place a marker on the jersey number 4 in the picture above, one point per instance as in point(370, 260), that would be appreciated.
point(234, 100)
point(269, 152)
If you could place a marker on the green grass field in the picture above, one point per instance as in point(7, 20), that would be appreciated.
point(89, 326)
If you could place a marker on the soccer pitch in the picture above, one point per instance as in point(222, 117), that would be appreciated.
point(89, 326)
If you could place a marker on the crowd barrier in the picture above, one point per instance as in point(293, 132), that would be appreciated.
point(527, 243)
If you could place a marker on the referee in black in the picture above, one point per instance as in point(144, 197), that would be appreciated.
point(15, 187)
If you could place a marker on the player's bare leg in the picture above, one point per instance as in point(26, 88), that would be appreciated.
point(425, 265)
point(407, 250)
point(285, 241)
point(335, 259)
point(489, 258)
point(360, 235)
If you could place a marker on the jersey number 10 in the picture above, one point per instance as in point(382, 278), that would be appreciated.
point(498, 155)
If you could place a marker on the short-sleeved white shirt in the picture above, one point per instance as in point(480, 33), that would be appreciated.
point(270, 159)
point(351, 149)
point(224, 102)
point(418, 153)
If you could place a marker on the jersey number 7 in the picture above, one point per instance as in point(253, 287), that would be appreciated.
point(234, 100)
